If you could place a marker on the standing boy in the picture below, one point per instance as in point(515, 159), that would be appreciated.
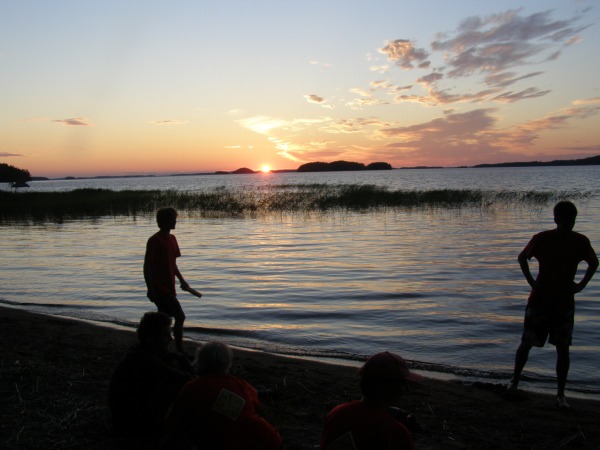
point(160, 270)
point(551, 305)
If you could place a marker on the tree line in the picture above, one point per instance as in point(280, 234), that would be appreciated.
point(342, 166)
point(13, 175)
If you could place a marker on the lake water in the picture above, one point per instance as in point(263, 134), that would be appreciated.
point(441, 287)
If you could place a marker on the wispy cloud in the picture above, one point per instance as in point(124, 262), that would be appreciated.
point(498, 42)
point(488, 51)
point(236, 147)
point(10, 155)
point(75, 121)
point(322, 65)
point(475, 135)
point(312, 98)
point(527, 133)
point(404, 54)
point(588, 101)
point(585, 149)
point(169, 122)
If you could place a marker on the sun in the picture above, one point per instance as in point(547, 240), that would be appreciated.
point(265, 169)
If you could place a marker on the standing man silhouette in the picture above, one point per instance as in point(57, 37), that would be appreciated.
point(160, 270)
point(551, 306)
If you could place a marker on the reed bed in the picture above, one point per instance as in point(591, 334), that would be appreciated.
point(301, 198)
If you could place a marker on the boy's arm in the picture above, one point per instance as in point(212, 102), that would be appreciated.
point(592, 262)
point(184, 285)
point(523, 262)
point(147, 272)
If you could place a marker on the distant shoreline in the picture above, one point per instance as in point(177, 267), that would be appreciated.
point(591, 161)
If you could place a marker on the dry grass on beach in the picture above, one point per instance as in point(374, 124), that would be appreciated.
point(54, 377)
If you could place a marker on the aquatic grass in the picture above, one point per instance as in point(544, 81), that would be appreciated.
point(300, 198)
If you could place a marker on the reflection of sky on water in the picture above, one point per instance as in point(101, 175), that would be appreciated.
point(438, 286)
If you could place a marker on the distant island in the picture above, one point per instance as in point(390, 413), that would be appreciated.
point(591, 161)
point(342, 166)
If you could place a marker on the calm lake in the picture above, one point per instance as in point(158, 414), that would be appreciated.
point(442, 287)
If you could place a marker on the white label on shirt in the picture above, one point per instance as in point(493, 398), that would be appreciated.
point(229, 404)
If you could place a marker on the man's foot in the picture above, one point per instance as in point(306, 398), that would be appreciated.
point(511, 393)
point(561, 402)
point(511, 389)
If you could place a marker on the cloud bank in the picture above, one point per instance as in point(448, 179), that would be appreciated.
point(469, 75)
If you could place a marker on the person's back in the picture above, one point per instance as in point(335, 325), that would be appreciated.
point(217, 410)
point(368, 423)
point(146, 381)
point(558, 254)
point(221, 411)
point(363, 426)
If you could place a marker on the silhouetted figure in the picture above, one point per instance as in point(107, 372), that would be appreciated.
point(160, 270)
point(372, 422)
point(218, 411)
point(551, 306)
point(148, 379)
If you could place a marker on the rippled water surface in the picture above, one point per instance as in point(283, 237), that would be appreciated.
point(441, 287)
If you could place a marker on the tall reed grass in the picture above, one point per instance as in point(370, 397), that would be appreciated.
point(301, 198)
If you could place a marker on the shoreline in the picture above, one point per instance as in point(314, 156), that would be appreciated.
point(546, 387)
point(55, 374)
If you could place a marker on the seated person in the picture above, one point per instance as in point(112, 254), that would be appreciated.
point(218, 410)
point(369, 423)
point(148, 379)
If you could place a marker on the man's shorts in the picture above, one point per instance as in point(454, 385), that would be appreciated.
point(170, 306)
point(540, 324)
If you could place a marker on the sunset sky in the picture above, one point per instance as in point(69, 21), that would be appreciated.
point(124, 87)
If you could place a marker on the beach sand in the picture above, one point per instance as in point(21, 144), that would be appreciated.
point(54, 376)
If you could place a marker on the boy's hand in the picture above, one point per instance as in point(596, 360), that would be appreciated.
point(191, 290)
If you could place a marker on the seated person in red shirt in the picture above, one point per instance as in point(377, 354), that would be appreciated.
point(218, 410)
point(368, 423)
point(148, 379)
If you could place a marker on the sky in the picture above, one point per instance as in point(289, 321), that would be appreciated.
point(151, 87)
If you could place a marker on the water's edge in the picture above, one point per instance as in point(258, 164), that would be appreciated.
point(434, 371)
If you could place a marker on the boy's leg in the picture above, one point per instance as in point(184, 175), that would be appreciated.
point(563, 361)
point(535, 332)
point(171, 307)
point(521, 357)
point(561, 336)
point(179, 318)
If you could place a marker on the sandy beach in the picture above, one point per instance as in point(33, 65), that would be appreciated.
point(54, 376)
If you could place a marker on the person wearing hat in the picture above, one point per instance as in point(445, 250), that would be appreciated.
point(368, 423)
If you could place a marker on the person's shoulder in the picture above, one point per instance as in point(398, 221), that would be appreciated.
point(543, 238)
point(545, 234)
point(580, 236)
point(235, 380)
point(582, 240)
point(347, 407)
point(154, 236)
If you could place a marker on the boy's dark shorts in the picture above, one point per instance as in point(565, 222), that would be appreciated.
point(540, 324)
point(169, 305)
